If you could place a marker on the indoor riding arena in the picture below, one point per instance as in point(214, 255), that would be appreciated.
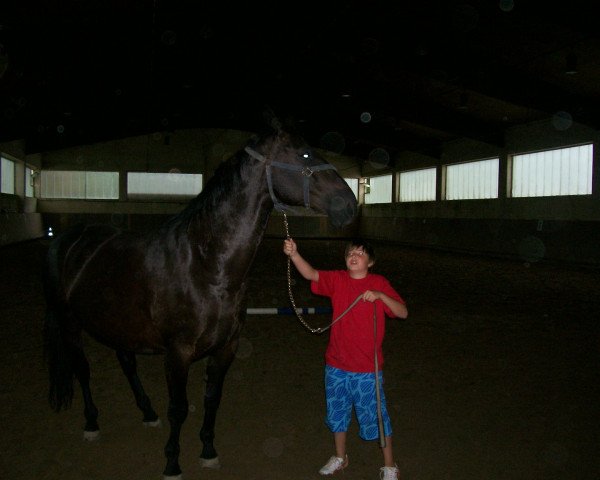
point(154, 157)
point(494, 372)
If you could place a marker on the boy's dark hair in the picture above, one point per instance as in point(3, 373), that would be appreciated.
point(360, 243)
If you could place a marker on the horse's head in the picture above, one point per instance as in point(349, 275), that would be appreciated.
point(298, 176)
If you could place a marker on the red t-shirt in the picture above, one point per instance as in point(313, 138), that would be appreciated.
point(351, 340)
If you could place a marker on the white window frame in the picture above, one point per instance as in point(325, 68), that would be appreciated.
point(380, 189)
point(7, 175)
point(79, 185)
point(474, 180)
point(163, 186)
point(417, 185)
point(555, 172)
point(353, 184)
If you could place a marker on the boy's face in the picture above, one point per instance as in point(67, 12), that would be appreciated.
point(358, 261)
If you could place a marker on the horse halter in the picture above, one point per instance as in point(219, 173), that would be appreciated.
point(306, 171)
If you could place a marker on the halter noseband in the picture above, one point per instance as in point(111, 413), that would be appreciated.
point(306, 171)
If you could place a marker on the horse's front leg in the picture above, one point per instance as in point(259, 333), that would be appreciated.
point(129, 366)
point(176, 367)
point(215, 374)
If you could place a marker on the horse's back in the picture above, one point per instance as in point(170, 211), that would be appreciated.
point(81, 244)
point(106, 281)
point(68, 246)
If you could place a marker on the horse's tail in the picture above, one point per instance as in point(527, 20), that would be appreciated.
point(60, 369)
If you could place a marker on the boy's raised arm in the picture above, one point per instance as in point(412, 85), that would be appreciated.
point(306, 269)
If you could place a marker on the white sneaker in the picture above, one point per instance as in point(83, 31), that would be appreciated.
point(334, 465)
point(388, 473)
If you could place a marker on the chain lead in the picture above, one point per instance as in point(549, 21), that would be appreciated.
point(291, 295)
point(289, 280)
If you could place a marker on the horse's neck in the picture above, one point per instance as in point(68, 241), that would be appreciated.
point(233, 225)
point(240, 219)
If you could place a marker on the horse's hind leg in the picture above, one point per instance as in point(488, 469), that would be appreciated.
point(129, 365)
point(81, 368)
point(215, 375)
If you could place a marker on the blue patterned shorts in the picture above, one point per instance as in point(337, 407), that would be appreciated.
point(343, 390)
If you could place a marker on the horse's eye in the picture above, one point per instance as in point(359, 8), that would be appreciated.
point(306, 155)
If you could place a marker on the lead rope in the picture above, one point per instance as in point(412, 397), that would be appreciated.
point(291, 295)
point(322, 329)
point(377, 392)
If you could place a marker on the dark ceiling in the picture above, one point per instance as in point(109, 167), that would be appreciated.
point(352, 76)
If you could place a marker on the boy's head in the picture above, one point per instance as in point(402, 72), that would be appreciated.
point(357, 247)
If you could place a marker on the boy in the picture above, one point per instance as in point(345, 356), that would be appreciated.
point(350, 354)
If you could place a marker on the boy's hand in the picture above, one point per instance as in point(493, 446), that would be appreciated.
point(290, 248)
point(306, 270)
point(371, 295)
point(397, 308)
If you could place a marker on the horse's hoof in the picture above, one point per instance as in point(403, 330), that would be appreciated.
point(91, 436)
point(210, 463)
point(156, 423)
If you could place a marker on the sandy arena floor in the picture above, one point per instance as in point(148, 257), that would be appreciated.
point(494, 376)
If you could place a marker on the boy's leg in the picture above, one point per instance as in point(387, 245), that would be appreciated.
point(365, 405)
point(388, 454)
point(390, 470)
point(340, 444)
point(338, 400)
point(339, 411)
point(338, 462)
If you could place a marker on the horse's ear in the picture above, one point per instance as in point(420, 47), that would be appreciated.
point(272, 120)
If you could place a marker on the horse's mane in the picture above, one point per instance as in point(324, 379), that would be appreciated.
point(225, 181)
point(222, 184)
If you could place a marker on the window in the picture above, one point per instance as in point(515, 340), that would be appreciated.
point(163, 185)
point(80, 185)
point(472, 180)
point(378, 189)
point(564, 171)
point(7, 176)
point(417, 185)
point(102, 185)
point(353, 184)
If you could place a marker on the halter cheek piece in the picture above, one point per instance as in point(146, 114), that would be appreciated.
point(306, 172)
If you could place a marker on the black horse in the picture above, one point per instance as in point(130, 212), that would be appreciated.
point(178, 290)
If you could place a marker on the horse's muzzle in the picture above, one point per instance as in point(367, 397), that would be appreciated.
point(342, 210)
